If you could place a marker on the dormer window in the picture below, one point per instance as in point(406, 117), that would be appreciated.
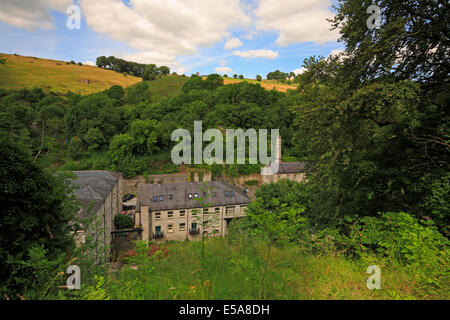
point(161, 198)
point(155, 198)
point(170, 196)
point(190, 195)
point(226, 193)
point(195, 195)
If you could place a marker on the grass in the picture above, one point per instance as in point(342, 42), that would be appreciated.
point(266, 84)
point(234, 270)
point(61, 76)
point(58, 76)
point(165, 87)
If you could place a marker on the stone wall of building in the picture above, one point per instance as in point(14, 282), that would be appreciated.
point(171, 225)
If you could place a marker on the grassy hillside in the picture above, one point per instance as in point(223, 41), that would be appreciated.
point(165, 87)
point(266, 84)
point(58, 76)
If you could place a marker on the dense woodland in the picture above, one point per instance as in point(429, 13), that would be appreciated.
point(372, 123)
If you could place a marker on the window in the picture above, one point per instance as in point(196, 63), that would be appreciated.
point(206, 210)
point(195, 195)
point(194, 212)
point(190, 195)
point(157, 215)
point(182, 226)
point(170, 196)
point(231, 193)
point(226, 193)
point(170, 214)
point(217, 210)
point(161, 198)
point(214, 194)
point(170, 228)
point(229, 210)
point(182, 213)
point(155, 198)
point(243, 208)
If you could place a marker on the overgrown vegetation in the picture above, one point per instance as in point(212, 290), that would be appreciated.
point(122, 221)
point(371, 123)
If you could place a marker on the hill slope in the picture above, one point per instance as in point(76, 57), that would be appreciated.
point(58, 76)
point(165, 87)
point(266, 84)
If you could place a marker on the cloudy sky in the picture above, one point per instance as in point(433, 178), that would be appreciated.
point(246, 37)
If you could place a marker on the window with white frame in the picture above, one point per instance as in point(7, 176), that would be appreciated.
point(157, 215)
point(182, 226)
point(170, 214)
point(229, 210)
point(170, 228)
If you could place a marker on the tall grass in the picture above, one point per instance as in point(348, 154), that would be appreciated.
point(234, 267)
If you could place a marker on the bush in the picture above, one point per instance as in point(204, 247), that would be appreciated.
point(251, 183)
point(122, 221)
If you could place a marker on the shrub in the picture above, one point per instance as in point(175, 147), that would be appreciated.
point(122, 221)
point(251, 183)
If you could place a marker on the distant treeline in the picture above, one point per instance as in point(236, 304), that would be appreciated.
point(279, 75)
point(145, 71)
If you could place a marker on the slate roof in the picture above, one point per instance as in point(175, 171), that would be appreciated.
point(180, 195)
point(291, 167)
point(285, 168)
point(94, 186)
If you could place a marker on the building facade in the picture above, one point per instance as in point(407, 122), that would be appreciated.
point(100, 193)
point(295, 171)
point(174, 211)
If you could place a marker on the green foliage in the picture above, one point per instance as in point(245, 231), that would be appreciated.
point(277, 75)
point(138, 93)
point(145, 135)
point(37, 210)
point(123, 221)
point(258, 78)
point(94, 139)
point(251, 183)
point(116, 92)
point(133, 68)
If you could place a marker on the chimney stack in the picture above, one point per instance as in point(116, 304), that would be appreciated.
point(278, 149)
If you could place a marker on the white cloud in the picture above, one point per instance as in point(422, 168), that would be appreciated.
point(89, 63)
point(265, 54)
point(223, 70)
point(171, 27)
point(336, 52)
point(164, 29)
point(160, 59)
point(233, 43)
point(31, 14)
point(296, 21)
point(299, 70)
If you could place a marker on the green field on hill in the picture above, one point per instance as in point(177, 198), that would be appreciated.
point(165, 87)
point(58, 76)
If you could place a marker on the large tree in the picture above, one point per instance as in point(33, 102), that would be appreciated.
point(37, 209)
point(374, 121)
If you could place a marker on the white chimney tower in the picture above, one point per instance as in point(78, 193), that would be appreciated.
point(278, 159)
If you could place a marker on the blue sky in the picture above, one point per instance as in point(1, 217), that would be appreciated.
point(188, 35)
